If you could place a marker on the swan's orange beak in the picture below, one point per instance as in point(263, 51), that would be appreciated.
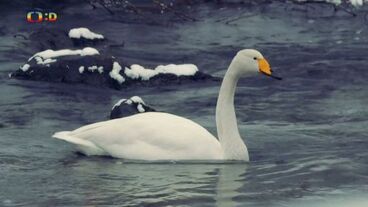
point(265, 68)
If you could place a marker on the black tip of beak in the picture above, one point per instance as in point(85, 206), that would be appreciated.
point(276, 77)
point(272, 76)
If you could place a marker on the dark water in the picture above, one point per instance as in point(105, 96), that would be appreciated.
point(307, 134)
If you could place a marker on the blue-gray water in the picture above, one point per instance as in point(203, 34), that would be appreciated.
point(307, 134)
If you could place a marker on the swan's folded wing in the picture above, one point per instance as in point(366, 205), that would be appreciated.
point(83, 145)
point(89, 127)
point(82, 138)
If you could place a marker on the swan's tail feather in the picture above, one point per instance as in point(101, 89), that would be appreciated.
point(65, 135)
point(83, 145)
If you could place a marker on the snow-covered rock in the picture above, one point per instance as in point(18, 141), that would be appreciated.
point(88, 66)
point(127, 107)
point(83, 32)
point(88, 69)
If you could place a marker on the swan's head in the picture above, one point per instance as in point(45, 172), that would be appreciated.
point(251, 62)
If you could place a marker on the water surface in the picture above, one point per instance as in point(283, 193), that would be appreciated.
point(307, 134)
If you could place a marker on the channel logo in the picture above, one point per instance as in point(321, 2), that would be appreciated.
point(37, 17)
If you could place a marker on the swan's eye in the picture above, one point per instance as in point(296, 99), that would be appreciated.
point(254, 58)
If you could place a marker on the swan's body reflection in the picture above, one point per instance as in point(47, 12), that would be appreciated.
point(156, 184)
point(230, 180)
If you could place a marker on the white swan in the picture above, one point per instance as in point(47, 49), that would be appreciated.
point(164, 136)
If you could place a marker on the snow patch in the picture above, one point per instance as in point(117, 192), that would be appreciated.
point(83, 32)
point(93, 68)
point(134, 99)
point(139, 72)
point(336, 2)
point(89, 51)
point(179, 70)
point(81, 69)
point(100, 69)
point(25, 67)
point(356, 3)
point(140, 108)
point(136, 71)
point(137, 99)
point(49, 54)
point(46, 62)
point(119, 103)
point(115, 73)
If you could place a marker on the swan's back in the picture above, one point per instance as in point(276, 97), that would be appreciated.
point(146, 136)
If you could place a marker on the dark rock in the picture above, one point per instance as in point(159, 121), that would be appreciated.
point(66, 69)
point(43, 39)
point(82, 42)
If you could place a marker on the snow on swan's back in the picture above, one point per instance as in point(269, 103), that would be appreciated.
point(146, 136)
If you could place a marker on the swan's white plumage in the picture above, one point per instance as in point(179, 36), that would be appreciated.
point(146, 136)
point(163, 136)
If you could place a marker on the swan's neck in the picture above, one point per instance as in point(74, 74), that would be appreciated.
point(227, 127)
